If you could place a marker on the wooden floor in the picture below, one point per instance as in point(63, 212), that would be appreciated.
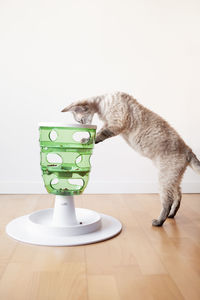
point(143, 262)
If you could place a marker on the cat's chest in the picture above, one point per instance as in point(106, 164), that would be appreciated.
point(133, 140)
point(137, 141)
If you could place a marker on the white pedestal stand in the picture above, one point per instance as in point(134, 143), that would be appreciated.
point(63, 225)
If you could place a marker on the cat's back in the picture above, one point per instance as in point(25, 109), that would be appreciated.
point(149, 133)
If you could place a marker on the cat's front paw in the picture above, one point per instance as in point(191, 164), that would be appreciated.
point(84, 141)
point(156, 223)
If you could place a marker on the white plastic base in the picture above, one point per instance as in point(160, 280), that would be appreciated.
point(43, 227)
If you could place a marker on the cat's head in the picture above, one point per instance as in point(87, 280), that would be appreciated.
point(83, 111)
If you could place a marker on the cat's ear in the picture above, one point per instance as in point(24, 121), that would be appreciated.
point(70, 107)
point(77, 108)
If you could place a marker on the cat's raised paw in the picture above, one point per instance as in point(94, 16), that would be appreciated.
point(156, 223)
point(84, 140)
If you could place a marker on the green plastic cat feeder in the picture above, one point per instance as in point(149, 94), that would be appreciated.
point(65, 158)
point(65, 164)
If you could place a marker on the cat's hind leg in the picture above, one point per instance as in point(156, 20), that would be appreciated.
point(166, 196)
point(176, 203)
point(170, 175)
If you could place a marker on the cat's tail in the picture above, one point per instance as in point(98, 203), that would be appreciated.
point(194, 162)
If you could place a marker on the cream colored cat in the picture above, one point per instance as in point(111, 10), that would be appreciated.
point(148, 134)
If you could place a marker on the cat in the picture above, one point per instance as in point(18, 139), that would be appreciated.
point(147, 133)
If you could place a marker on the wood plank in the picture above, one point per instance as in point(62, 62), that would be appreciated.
point(102, 287)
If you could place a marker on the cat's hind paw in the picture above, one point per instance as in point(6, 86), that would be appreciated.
point(171, 216)
point(156, 223)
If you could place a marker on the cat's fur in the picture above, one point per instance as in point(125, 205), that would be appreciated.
point(147, 133)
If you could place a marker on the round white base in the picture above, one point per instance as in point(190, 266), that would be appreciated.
point(37, 228)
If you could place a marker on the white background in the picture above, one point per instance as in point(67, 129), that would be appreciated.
point(55, 52)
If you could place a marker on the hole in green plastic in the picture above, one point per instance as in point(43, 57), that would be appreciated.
point(79, 159)
point(92, 160)
point(81, 137)
point(76, 182)
point(54, 181)
point(53, 135)
point(54, 158)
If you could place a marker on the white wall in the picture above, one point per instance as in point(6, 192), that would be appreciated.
point(54, 52)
